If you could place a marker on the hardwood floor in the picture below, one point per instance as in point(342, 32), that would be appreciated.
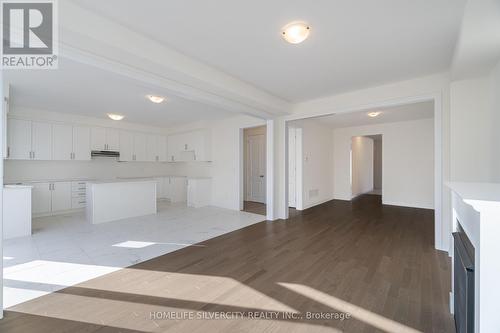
point(372, 261)
point(254, 207)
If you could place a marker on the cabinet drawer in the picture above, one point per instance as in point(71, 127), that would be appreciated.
point(78, 186)
point(78, 194)
point(78, 203)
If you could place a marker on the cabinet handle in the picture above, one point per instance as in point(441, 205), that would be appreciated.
point(8, 152)
point(81, 202)
point(185, 146)
point(33, 155)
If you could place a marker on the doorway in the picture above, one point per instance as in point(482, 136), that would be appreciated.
point(366, 165)
point(255, 170)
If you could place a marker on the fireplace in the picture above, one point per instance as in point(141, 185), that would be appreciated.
point(463, 277)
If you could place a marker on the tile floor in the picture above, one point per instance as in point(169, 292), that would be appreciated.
point(65, 250)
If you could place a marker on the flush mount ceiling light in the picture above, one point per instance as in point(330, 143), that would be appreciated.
point(155, 99)
point(115, 116)
point(295, 32)
point(374, 114)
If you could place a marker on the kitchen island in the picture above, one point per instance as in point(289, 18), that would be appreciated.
point(120, 199)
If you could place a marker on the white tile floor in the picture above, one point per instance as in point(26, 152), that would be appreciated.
point(65, 250)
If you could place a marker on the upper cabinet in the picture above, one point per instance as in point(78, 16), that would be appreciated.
point(29, 140)
point(189, 146)
point(133, 147)
point(34, 140)
point(103, 138)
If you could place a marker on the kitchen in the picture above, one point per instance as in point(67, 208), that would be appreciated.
point(88, 191)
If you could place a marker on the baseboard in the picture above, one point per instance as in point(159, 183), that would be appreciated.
point(316, 203)
point(60, 212)
point(405, 204)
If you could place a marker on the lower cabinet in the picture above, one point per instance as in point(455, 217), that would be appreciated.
point(175, 189)
point(50, 197)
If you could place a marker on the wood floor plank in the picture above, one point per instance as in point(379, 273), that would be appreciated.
point(377, 261)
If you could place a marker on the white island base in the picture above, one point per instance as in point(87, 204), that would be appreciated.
point(120, 199)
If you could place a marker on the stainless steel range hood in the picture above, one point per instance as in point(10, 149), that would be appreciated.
point(105, 153)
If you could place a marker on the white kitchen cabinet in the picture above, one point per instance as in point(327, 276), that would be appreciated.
point(126, 146)
point(98, 138)
point(81, 143)
point(19, 139)
point(152, 148)
point(61, 196)
point(162, 148)
point(112, 139)
point(62, 142)
point(105, 139)
point(173, 148)
point(41, 198)
point(178, 189)
point(41, 140)
point(189, 146)
point(159, 188)
point(70, 142)
point(199, 192)
point(140, 143)
point(29, 140)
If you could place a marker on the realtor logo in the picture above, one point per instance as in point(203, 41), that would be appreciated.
point(29, 34)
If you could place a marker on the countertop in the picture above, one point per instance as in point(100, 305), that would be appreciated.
point(476, 191)
point(17, 187)
point(23, 182)
point(118, 181)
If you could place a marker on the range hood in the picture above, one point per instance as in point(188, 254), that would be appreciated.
point(105, 153)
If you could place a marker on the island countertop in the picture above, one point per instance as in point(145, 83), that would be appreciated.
point(119, 181)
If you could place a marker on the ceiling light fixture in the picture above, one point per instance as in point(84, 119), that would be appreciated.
point(156, 99)
point(374, 114)
point(115, 116)
point(295, 32)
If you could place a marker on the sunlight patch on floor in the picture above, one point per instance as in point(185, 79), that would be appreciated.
point(357, 312)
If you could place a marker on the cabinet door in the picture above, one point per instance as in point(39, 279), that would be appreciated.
point(140, 147)
point(167, 188)
point(40, 198)
point(61, 196)
point(162, 148)
point(81, 143)
point(126, 146)
point(41, 140)
point(173, 150)
point(97, 138)
point(112, 139)
point(152, 148)
point(19, 139)
point(62, 142)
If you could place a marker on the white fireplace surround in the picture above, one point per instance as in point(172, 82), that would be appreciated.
point(477, 207)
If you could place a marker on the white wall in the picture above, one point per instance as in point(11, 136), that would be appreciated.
point(495, 122)
point(471, 131)
point(362, 165)
point(317, 163)
point(408, 161)
point(377, 164)
point(227, 162)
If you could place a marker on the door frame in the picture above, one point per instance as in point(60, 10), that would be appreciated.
point(441, 227)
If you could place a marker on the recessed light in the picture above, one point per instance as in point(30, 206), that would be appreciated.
point(374, 114)
point(115, 116)
point(156, 99)
point(295, 32)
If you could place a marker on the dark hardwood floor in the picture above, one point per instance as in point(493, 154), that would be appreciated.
point(254, 207)
point(375, 262)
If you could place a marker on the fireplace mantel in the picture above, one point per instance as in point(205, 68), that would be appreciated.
point(477, 207)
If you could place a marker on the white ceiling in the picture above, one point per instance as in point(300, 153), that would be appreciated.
point(85, 90)
point(407, 112)
point(353, 43)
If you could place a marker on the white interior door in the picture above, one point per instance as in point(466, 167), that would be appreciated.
point(292, 170)
point(256, 168)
